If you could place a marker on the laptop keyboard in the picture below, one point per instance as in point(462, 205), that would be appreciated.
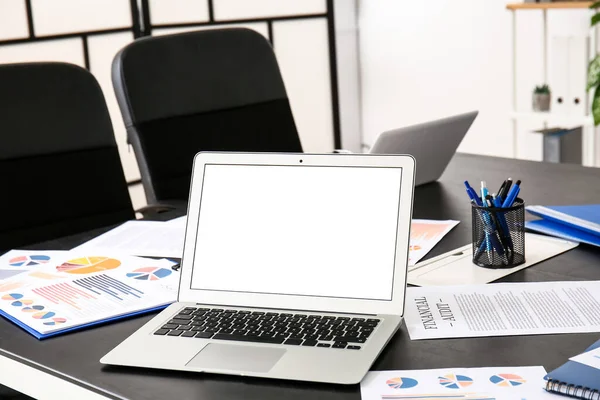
point(270, 327)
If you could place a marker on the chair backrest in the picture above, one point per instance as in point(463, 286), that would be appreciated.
point(60, 170)
point(217, 90)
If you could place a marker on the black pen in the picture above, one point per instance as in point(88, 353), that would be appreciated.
point(499, 192)
point(506, 189)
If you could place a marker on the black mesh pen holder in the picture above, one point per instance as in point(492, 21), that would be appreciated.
point(499, 235)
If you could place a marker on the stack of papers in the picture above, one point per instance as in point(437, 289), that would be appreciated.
point(52, 292)
point(495, 383)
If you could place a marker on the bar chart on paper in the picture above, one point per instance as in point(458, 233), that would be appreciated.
point(90, 295)
point(73, 289)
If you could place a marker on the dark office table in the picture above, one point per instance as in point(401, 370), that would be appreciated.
point(76, 355)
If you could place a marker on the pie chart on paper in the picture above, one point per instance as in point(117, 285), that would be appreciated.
point(31, 260)
point(12, 296)
point(88, 265)
point(507, 380)
point(33, 309)
point(149, 273)
point(55, 321)
point(454, 381)
point(21, 303)
point(401, 383)
point(43, 315)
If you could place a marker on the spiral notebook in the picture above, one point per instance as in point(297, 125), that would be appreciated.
point(576, 380)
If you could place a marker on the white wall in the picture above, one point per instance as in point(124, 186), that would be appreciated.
point(428, 59)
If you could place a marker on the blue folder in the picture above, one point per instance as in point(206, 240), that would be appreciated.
point(582, 217)
point(40, 336)
point(575, 374)
point(562, 231)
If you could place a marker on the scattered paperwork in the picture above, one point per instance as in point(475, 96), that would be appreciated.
point(493, 383)
point(502, 309)
point(140, 238)
point(165, 239)
point(424, 235)
point(50, 292)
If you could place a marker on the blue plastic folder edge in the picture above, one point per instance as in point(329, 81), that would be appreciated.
point(577, 374)
point(563, 231)
point(40, 336)
point(588, 213)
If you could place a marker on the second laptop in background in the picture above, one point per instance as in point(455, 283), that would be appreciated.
point(432, 144)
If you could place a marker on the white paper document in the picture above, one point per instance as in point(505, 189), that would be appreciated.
point(180, 221)
point(591, 358)
point(424, 235)
point(140, 238)
point(493, 383)
point(456, 267)
point(52, 291)
point(502, 309)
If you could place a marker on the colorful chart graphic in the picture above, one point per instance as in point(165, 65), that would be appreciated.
point(401, 383)
point(56, 321)
point(43, 315)
point(28, 260)
point(453, 381)
point(88, 265)
point(32, 309)
point(12, 296)
point(44, 275)
point(21, 303)
point(6, 287)
point(507, 380)
point(149, 273)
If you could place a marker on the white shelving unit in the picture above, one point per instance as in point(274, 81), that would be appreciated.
point(544, 118)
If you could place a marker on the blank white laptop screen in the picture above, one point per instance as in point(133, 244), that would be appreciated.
point(298, 230)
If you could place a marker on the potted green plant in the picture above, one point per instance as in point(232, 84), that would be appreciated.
point(541, 98)
point(593, 76)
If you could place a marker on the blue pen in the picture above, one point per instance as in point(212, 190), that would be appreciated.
point(512, 195)
point(472, 194)
point(492, 229)
point(475, 199)
point(502, 221)
point(486, 222)
point(499, 226)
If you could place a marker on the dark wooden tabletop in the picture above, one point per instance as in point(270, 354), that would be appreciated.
point(75, 356)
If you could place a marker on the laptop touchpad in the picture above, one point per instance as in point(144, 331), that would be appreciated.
point(236, 357)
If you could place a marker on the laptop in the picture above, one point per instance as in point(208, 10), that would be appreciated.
point(432, 144)
point(294, 267)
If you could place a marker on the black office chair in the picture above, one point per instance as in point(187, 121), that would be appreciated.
point(217, 90)
point(60, 171)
